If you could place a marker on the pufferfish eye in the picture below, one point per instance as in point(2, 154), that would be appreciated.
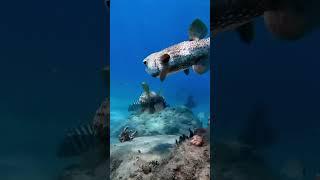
point(145, 62)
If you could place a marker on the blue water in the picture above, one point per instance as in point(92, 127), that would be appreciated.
point(140, 28)
point(285, 76)
point(51, 56)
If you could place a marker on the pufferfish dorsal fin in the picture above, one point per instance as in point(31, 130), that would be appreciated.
point(197, 30)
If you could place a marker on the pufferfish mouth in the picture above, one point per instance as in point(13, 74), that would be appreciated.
point(153, 73)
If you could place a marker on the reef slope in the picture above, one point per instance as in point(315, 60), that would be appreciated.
point(170, 121)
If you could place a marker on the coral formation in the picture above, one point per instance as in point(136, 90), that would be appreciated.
point(127, 135)
point(187, 161)
point(171, 120)
point(149, 101)
point(197, 140)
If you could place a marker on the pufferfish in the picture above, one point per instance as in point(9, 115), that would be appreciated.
point(180, 57)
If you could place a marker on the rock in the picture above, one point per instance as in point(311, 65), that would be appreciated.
point(149, 101)
point(185, 162)
point(170, 121)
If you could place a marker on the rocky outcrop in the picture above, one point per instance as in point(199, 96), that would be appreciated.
point(187, 161)
point(170, 121)
point(162, 157)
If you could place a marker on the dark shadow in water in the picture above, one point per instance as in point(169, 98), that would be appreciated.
point(258, 132)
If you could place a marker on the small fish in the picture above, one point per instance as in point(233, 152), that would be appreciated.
point(180, 57)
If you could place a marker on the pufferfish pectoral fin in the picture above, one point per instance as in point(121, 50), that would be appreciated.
point(197, 30)
point(163, 74)
point(164, 61)
point(202, 66)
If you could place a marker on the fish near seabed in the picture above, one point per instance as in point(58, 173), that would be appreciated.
point(182, 56)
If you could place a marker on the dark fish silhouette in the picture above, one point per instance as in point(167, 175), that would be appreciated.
point(90, 135)
point(107, 3)
point(78, 140)
point(285, 19)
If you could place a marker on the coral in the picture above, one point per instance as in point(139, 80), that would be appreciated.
point(149, 101)
point(149, 166)
point(197, 140)
point(127, 135)
point(171, 120)
point(186, 161)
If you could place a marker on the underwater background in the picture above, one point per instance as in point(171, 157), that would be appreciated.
point(281, 80)
point(140, 28)
point(51, 59)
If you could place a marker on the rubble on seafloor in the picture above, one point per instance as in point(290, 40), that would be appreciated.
point(159, 157)
point(133, 159)
point(171, 120)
